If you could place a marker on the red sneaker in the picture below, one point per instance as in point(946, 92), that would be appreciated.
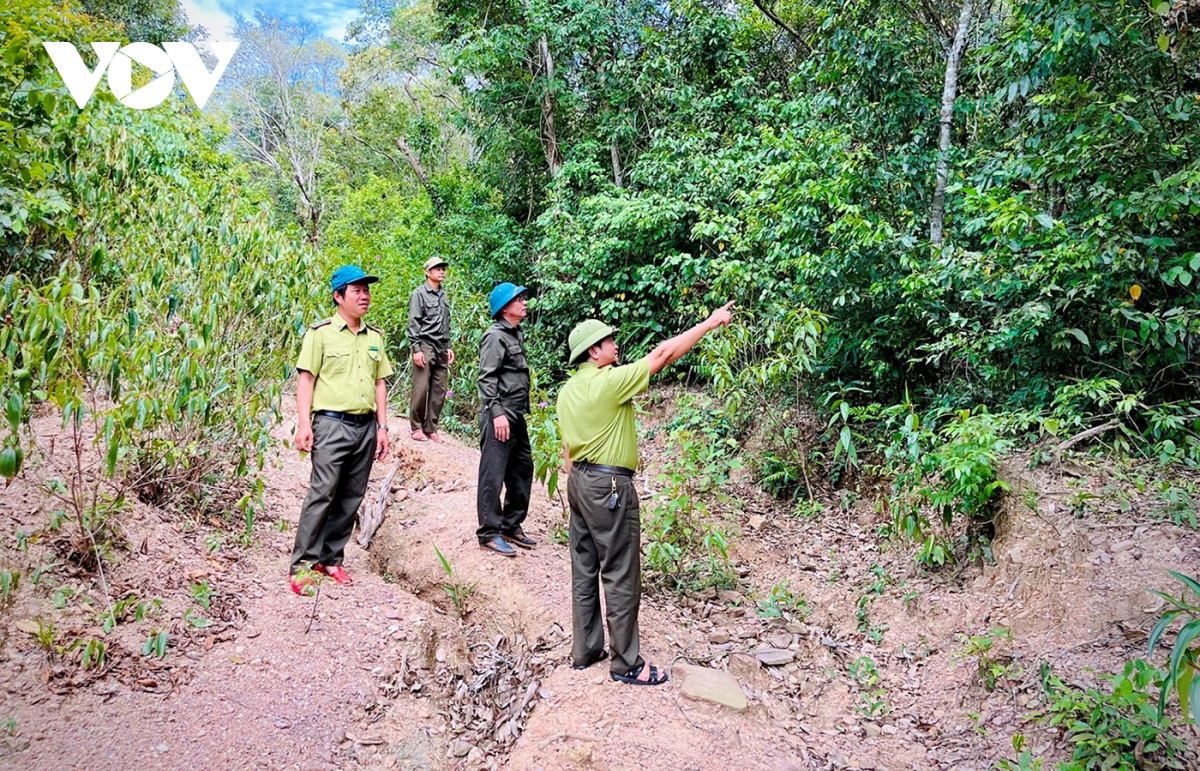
point(337, 573)
point(301, 586)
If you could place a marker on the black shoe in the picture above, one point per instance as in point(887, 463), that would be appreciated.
point(519, 539)
point(498, 545)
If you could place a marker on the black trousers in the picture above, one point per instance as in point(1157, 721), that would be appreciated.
point(508, 464)
point(342, 457)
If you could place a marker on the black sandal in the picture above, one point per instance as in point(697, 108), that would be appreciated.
point(603, 655)
point(631, 677)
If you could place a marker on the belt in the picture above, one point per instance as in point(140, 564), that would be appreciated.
point(347, 417)
point(619, 471)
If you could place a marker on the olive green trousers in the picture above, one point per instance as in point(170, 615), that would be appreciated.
point(605, 551)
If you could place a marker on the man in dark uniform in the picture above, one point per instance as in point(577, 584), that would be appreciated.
point(595, 416)
point(429, 336)
point(505, 456)
point(341, 403)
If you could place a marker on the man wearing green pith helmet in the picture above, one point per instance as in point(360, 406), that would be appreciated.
point(595, 418)
point(341, 403)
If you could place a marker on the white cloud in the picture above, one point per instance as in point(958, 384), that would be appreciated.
point(208, 14)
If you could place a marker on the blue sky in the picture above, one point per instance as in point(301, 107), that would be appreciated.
point(331, 16)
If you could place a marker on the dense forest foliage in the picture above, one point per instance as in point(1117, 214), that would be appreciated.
point(945, 225)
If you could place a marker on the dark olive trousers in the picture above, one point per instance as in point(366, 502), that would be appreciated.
point(429, 384)
point(341, 466)
point(605, 550)
point(508, 464)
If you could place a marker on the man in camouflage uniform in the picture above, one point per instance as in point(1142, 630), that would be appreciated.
point(505, 457)
point(429, 336)
point(341, 405)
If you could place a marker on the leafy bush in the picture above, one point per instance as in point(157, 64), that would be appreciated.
point(1120, 729)
point(953, 472)
point(685, 544)
point(147, 300)
point(1185, 654)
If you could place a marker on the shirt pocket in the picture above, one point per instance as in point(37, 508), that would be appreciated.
point(515, 356)
point(431, 308)
point(336, 361)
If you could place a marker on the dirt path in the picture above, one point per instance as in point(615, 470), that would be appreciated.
point(391, 676)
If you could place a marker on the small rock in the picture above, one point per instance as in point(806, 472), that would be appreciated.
point(718, 637)
point(459, 749)
point(795, 628)
point(780, 641)
point(389, 760)
point(757, 521)
point(729, 597)
point(339, 736)
point(775, 658)
point(889, 729)
point(744, 667)
point(1015, 555)
point(394, 615)
point(1120, 546)
point(580, 754)
point(711, 685)
point(162, 747)
point(873, 731)
point(474, 756)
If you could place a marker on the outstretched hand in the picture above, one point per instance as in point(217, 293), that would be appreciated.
point(721, 316)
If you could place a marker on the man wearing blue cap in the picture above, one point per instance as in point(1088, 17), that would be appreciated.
point(505, 458)
point(341, 403)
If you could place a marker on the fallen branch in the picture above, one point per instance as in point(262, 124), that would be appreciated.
point(1084, 435)
point(370, 513)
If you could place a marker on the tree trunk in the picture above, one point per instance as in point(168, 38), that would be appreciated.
point(949, 92)
point(554, 157)
point(618, 177)
point(414, 162)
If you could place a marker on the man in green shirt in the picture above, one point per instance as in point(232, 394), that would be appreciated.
point(595, 418)
point(429, 336)
point(341, 405)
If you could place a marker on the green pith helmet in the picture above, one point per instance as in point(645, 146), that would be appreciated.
point(585, 335)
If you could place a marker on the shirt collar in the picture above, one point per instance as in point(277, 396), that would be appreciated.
point(429, 288)
point(340, 323)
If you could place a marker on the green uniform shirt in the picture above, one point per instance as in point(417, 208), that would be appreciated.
point(595, 413)
point(346, 365)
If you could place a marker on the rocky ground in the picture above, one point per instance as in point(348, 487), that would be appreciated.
point(417, 667)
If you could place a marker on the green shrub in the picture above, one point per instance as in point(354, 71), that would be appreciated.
point(1118, 728)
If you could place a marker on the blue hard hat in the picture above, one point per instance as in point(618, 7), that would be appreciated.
point(349, 274)
point(502, 295)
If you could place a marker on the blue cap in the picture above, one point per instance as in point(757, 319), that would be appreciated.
point(502, 295)
point(349, 274)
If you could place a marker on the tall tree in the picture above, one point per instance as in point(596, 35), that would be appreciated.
point(949, 94)
point(285, 104)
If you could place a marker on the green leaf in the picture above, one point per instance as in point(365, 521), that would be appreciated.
point(1164, 43)
point(1187, 581)
point(1163, 8)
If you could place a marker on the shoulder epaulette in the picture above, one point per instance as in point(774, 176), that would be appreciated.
point(319, 324)
point(376, 330)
